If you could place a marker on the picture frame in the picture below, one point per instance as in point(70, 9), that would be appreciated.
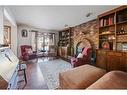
point(7, 35)
point(24, 33)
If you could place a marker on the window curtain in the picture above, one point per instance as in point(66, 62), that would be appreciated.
point(34, 41)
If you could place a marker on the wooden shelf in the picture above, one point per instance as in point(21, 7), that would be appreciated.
point(122, 22)
point(122, 34)
point(121, 42)
point(107, 26)
point(105, 40)
point(106, 34)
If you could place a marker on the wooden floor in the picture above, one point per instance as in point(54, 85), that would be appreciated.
point(35, 78)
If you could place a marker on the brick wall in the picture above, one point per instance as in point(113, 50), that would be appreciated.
point(122, 38)
point(88, 30)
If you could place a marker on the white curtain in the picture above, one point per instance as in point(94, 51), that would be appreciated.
point(33, 40)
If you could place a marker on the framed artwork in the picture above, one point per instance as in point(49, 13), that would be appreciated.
point(106, 45)
point(24, 33)
point(7, 35)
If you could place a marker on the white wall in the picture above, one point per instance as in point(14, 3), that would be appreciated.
point(1, 25)
point(11, 22)
point(27, 40)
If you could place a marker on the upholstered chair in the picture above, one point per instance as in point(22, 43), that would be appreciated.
point(84, 59)
point(27, 52)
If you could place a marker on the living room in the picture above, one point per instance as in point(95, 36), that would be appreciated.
point(83, 47)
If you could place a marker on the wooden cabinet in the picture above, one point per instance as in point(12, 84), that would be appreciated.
point(111, 60)
point(115, 61)
point(63, 52)
point(101, 59)
point(125, 60)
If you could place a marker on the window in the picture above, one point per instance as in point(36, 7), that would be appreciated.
point(45, 40)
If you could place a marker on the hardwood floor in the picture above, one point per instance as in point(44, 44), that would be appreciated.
point(35, 79)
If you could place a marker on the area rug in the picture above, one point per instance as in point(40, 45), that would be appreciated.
point(51, 70)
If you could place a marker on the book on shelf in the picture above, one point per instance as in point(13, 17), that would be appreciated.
point(106, 22)
point(111, 20)
point(102, 22)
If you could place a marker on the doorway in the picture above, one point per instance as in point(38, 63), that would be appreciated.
point(46, 43)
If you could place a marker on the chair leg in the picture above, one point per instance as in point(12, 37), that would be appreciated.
point(25, 76)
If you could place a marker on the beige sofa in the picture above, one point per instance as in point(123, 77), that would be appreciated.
point(111, 80)
point(80, 77)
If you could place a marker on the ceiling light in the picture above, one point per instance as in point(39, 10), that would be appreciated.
point(65, 25)
point(88, 14)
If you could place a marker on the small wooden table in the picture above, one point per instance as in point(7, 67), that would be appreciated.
point(22, 68)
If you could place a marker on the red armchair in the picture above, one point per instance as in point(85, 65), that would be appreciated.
point(81, 61)
point(27, 52)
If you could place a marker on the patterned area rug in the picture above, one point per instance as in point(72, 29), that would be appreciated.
point(51, 70)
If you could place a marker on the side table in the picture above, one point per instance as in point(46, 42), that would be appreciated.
point(22, 68)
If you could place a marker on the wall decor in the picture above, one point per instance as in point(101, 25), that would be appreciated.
point(7, 35)
point(24, 33)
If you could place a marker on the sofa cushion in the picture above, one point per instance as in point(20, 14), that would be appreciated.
point(111, 80)
point(80, 77)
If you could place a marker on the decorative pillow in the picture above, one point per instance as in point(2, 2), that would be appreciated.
point(29, 50)
point(85, 51)
point(80, 55)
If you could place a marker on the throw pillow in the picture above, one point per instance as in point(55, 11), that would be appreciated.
point(85, 51)
point(29, 50)
point(80, 55)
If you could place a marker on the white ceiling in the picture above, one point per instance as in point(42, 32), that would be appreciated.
point(56, 17)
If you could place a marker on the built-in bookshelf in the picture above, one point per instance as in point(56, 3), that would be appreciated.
point(107, 21)
point(112, 25)
point(65, 37)
point(65, 43)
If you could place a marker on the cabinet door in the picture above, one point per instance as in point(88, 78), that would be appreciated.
point(114, 61)
point(125, 61)
point(59, 51)
point(101, 59)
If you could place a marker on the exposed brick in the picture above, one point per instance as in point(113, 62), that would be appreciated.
point(87, 28)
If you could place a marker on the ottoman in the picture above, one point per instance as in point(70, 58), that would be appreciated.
point(80, 77)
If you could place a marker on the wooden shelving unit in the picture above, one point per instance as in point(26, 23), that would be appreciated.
point(112, 25)
point(65, 37)
point(107, 26)
point(65, 43)
point(122, 22)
